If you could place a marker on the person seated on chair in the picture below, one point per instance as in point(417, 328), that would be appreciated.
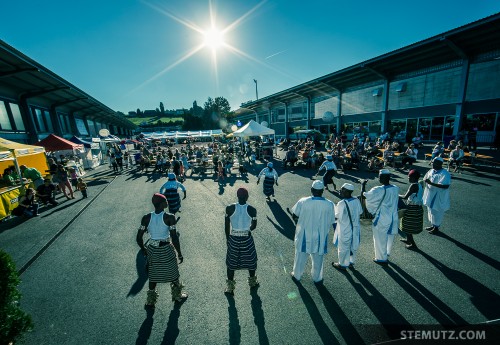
point(410, 155)
point(437, 151)
point(388, 156)
point(290, 157)
point(456, 158)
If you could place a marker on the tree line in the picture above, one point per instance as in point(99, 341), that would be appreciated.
point(215, 114)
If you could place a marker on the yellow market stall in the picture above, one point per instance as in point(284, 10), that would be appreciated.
point(16, 154)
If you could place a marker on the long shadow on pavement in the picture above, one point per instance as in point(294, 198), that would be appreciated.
point(172, 331)
point(345, 327)
point(285, 225)
point(389, 317)
point(321, 326)
point(142, 275)
point(234, 323)
point(258, 317)
point(146, 327)
point(434, 306)
point(483, 257)
point(485, 300)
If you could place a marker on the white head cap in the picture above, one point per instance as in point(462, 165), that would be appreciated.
point(384, 172)
point(318, 185)
point(348, 186)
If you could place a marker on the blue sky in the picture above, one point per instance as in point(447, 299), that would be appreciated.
point(129, 54)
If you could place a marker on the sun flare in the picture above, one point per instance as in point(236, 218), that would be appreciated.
point(213, 38)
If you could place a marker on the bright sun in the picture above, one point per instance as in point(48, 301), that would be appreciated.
point(213, 38)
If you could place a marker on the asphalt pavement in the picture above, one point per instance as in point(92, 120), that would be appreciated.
point(83, 278)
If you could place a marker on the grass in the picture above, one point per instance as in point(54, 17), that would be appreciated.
point(138, 120)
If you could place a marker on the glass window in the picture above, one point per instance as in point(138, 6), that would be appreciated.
point(68, 125)
point(4, 118)
point(80, 125)
point(424, 127)
point(437, 128)
point(16, 114)
point(396, 126)
point(374, 127)
point(483, 122)
point(48, 121)
point(63, 124)
point(278, 115)
point(40, 124)
point(448, 127)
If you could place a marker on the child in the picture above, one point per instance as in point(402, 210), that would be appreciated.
point(74, 176)
point(82, 187)
point(221, 171)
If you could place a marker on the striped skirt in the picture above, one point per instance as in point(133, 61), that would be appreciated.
point(162, 264)
point(413, 220)
point(268, 186)
point(174, 200)
point(241, 253)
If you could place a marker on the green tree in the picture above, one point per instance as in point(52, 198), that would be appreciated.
point(162, 108)
point(139, 113)
point(13, 321)
point(215, 112)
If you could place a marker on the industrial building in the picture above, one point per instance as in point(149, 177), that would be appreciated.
point(441, 87)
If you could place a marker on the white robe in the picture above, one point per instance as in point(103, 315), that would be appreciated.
point(435, 198)
point(316, 216)
point(347, 237)
point(385, 221)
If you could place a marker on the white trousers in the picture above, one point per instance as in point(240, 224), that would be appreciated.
point(299, 265)
point(345, 257)
point(435, 217)
point(382, 244)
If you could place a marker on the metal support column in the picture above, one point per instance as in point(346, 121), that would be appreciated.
point(459, 113)
point(28, 120)
point(385, 107)
point(339, 114)
point(308, 102)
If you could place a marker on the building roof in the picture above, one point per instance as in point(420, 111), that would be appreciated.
point(474, 41)
point(21, 76)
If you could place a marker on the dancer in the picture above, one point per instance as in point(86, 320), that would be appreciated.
point(161, 251)
point(171, 191)
point(270, 178)
point(331, 169)
point(240, 220)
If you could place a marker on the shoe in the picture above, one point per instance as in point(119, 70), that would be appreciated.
point(404, 240)
point(429, 228)
point(434, 230)
point(384, 263)
point(318, 282)
point(293, 278)
point(338, 266)
point(411, 246)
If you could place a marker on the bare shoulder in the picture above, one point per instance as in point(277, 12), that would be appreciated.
point(230, 209)
point(252, 211)
point(145, 219)
point(169, 219)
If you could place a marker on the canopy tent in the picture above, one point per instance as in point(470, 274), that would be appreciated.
point(253, 129)
point(182, 134)
point(53, 143)
point(92, 156)
point(31, 156)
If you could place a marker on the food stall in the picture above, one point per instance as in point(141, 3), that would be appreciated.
point(16, 154)
point(61, 147)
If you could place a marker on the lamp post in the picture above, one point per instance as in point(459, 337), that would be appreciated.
point(256, 92)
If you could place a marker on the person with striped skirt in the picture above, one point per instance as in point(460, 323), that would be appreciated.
point(270, 178)
point(171, 191)
point(163, 251)
point(412, 222)
point(240, 221)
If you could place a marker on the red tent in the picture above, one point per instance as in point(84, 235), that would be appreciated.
point(54, 143)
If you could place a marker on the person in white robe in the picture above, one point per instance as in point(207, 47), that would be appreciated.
point(347, 233)
point(382, 203)
point(314, 216)
point(436, 194)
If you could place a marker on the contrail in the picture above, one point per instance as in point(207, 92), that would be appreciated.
point(270, 56)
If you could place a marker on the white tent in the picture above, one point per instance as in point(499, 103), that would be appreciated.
point(253, 129)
